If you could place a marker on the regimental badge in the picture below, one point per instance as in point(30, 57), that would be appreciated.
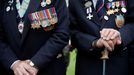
point(88, 7)
point(45, 18)
point(119, 21)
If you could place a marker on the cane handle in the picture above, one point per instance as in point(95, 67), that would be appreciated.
point(104, 54)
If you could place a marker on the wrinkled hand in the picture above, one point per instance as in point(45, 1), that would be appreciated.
point(23, 68)
point(111, 34)
point(109, 45)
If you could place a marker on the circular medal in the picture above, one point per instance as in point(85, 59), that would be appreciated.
point(43, 3)
point(110, 0)
point(106, 17)
point(88, 4)
point(44, 23)
point(20, 27)
point(8, 9)
point(48, 2)
point(119, 21)
point(124, 10)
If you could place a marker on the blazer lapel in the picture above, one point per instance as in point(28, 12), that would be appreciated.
point(12, 25)
point(34, 4)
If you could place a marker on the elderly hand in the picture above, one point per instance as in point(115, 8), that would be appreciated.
point(23, 68)
point(111, 34)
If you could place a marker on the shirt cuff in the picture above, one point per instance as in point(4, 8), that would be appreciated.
point(14, 64)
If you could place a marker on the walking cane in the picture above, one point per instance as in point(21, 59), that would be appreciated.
point(104, 58)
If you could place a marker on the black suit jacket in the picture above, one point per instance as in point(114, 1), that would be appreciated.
point(85, 31)
point(35, 44)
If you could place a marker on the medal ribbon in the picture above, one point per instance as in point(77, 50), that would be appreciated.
point(21, 8)
point(44, 12)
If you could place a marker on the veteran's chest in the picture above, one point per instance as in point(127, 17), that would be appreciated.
point(36, 13)
point(115, 8)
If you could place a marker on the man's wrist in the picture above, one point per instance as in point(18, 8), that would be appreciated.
point(14, 63)
point(94, 43)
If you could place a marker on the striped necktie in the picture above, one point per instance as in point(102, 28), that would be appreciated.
point(100, 9)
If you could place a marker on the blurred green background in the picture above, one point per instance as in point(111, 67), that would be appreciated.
point(71, 66)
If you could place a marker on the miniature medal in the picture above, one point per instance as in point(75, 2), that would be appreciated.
point(123, 5)
point(45, 23)
point(48, 2)
point(43, 3)
point(88, 4)
point(8, 9)
point(119, 21)
point(106, 17)
point(123, 9)
point(89, 16)
point(21, 27)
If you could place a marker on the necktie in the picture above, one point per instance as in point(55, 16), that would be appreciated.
point(100, 9)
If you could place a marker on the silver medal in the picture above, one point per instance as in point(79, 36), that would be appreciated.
point(21, 27)
point(124, 10)
point(8, 8)
point(88, 4)
point(43, 3)
point(106, 17)
point(89, 16)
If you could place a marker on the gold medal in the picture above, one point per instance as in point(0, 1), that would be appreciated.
point(33, 26)
point(119, 21)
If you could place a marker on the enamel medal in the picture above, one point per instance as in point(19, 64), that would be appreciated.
point(119, 20)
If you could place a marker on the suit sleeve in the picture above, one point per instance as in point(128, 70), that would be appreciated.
point(7, 57)
point(57, 41)
point(80, 38)
point(128, 30)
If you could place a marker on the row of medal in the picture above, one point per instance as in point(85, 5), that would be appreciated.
point(117, 8)
point(45, 18)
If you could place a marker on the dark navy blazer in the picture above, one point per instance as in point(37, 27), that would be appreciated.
point(85, 31)
point(35, 44)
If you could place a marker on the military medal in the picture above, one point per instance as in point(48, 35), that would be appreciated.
point(21, 8)
point(43, 3)
point(21, 26)
point(106, 17)
point(119, 20)
point(8, 8)
point(48, 2)
point(88, 5)
point(123, 5)
point(113, 5)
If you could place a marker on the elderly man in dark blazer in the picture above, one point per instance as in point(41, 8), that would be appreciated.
point(102, 24)
point(33, 34)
